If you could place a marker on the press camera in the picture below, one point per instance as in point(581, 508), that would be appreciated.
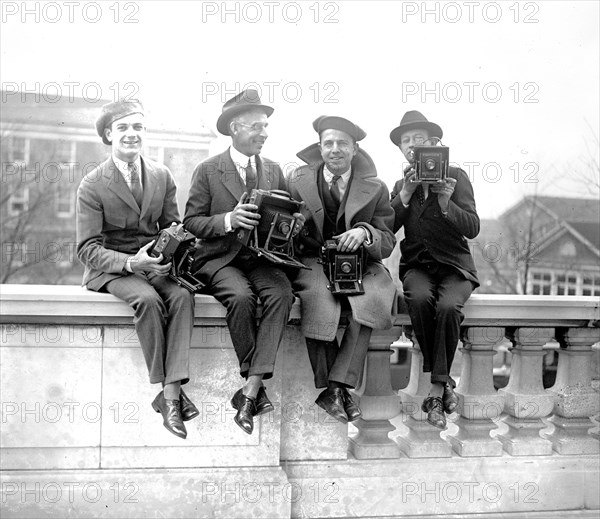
point(431, 163)
point(344, 270)
point(272, 237)
point(178, 246)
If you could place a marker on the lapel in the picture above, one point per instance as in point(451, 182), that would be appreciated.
point(264, 173)
point(116, 183)
point(230, 177)
point(149, 185)
point(308, 189)
point(360, 194)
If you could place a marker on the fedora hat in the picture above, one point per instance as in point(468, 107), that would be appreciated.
point(111, 112)
point(413, 120)
point(330, 122)
point(246, 100)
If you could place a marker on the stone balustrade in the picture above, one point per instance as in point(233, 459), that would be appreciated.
point(79, 438)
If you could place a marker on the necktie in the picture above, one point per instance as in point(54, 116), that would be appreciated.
point(420, 195)
point(335, 189)
point(250, 177)
point(136, 185)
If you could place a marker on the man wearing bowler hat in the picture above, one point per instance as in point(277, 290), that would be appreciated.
point(216, 212)
point(345, 202)
point(436, 267)
point(121, 207)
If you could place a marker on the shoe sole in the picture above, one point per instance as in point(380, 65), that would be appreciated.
point(342, 419)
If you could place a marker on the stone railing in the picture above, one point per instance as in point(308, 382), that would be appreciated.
point(79, 438)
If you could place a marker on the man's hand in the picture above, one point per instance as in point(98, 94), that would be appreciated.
point(409, 185)
point(244, 215)
point(444, 191)
point(351, 240)
point(300, 221)
point(142, 262)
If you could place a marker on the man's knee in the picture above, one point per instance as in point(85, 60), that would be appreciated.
point(448, 307)
point(242, 300)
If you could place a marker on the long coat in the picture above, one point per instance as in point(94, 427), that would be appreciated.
point(111, 226)
point(215, 190)
point(366, 205)
point(445, 237)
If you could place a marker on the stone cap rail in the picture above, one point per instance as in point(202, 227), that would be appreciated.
point(76, 305)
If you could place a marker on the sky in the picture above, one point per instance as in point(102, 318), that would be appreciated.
point(514, 85)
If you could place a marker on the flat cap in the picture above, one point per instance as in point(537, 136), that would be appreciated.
point(112, 112)
point(331, 122)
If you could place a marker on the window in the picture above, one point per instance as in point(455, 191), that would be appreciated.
point(65, 202)
point(590, 285)
point(542, 283)
point(19, 201)
point(565, 283)
point(155, 153)
point(63, 151)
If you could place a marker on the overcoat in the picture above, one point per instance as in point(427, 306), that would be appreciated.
point(215, 190)
point(445, 237)
point(110, 225)
point(366, 204)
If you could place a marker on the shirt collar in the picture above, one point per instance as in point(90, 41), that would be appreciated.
point(123, 166)
point(241, 160)
point(329, 175)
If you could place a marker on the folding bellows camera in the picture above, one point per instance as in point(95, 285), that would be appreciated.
point(431, 163)
point(272, 237)
point(178, 246)
point(344, 270)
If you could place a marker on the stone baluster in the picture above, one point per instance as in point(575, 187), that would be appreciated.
point(378, 401)
point(525, 400)
point(422, 439)
point(480, 405)
point(576, 401)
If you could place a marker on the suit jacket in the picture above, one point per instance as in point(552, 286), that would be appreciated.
point(366, 204)
point(215, 190)
point(111, 226)
point(445, 237)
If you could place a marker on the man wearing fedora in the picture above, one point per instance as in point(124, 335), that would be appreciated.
point(216, 212)
point(345, 202)
point(436, 267)
point(121, 207)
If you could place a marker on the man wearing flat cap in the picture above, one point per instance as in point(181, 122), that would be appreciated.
point(217, 212)
point(436, 267)
point(121, 207)
point(345, 202)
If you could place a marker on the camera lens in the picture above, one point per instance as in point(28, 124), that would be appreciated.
point(284, 227)
point(346, 267)
point(430, 164)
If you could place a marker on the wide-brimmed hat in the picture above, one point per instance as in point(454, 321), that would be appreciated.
point(246, 100)
point(414, 120)
point(332, 122)
point(111, 112)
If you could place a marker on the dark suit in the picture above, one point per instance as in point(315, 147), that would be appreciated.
point(365, 204)
point(110, 228)
point(437, 270)
point(232, 273)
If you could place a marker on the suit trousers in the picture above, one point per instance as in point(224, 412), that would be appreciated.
point(163, 319)
point(435, 295)
point(343, 364)
point(238, 287)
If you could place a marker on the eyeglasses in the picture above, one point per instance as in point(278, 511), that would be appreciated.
point(256, 127)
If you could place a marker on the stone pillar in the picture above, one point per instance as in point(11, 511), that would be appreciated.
point(525, 400)
point(377, 401)
point(479, 403)
point(422, 440)
point(576, 401)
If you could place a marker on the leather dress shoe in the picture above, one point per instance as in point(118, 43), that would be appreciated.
point(450, 399)
point(351, 407)
point(332, 400)
point(263, 404)
point(434, 408)
point(246, 409)
point(171, 413)
point(188, 409)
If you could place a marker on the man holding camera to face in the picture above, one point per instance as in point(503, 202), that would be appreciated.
point(348, 211)
point(436, 267)
point(121, 207)
point(218, 212)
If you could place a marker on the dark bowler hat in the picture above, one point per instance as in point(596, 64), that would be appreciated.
point(111, 112)
point(331, 122)
point(414, 120)
point(244, 101)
